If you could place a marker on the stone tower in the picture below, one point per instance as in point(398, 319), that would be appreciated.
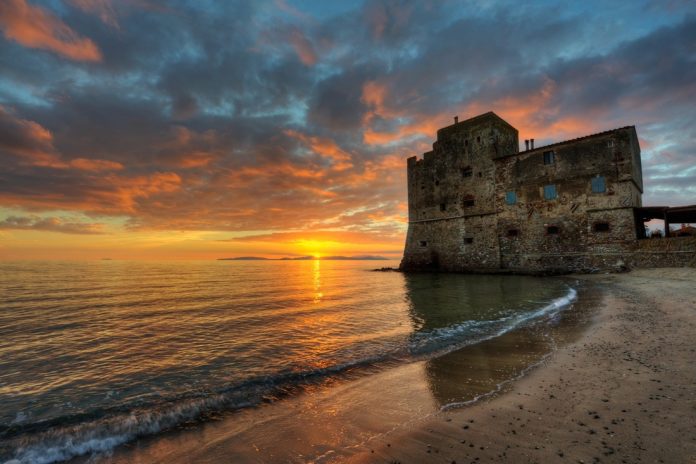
point(451, 197)
point(478, 204)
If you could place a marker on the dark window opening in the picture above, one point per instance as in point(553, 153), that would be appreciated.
point(468, 240)
point(467, 172)
point(601, 227)
point(480, 174)
point(552, 230)
point(468, 202)
point(437, 182)
point(478, 139)
point(513, 233)
point(549, 157)
point(423, 243)
point(443, 206)
point(466, 143)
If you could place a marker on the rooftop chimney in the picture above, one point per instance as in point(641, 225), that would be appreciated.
point(531, 142)
point(456, 119)
point(526, 144)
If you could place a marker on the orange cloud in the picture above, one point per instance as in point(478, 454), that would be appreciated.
point(101, 8)
point(121, 194)
point(303, 47)
point(373, 94)
point(282, 170)
point(33, 145)
point(110, 194)
point(425, 126)
point(27, 140)
point(325, 148)
point(534, 114)
point(95, 165)
point(35, 27)
point(190, 149)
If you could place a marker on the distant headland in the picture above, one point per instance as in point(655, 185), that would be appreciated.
point(308, 258)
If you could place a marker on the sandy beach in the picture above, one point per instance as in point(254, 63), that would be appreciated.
point(624, 392)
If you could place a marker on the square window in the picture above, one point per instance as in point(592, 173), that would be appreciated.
point(468, 202)
point(443, 206)
point(510, 198)
point(599, 184)
point(552, 230)
point(549, 157)
point(601, 227)
point(423, 243)
point(513, 233)
point(467, 172)
point(550, 192)
point(468, 240)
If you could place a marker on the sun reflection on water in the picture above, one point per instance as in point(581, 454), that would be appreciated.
point(316, 280)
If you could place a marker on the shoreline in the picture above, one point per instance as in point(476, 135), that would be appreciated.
point(616, 386)
point(624, 392)
point(331, 420)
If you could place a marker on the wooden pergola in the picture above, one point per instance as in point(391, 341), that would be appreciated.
point(673, 215)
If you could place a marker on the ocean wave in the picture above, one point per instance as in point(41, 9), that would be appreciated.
point(457, 336)
point(102, 431)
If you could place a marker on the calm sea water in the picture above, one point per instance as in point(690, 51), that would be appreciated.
point(95, 354)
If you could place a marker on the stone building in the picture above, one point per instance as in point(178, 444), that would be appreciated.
point(478, 204)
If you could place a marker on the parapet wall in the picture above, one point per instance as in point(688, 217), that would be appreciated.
point(664, 252)
point(649, 253)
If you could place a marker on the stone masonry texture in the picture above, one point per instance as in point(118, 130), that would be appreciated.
point(478, 204)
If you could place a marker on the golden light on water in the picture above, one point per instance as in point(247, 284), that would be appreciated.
point(316, 280)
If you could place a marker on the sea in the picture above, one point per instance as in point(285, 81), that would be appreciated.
point(96, 355)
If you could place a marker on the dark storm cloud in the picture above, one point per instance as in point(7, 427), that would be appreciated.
point(51, 224)
point(651, 69)
point(256, 116)
point(23, 139)
point(336, 103)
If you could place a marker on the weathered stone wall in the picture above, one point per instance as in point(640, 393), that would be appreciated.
point(585, 222)
point(451, 197)
point(664, 252)
point(461, 217)
point(456, 244)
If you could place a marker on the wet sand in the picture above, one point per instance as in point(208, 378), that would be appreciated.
point(625, 391)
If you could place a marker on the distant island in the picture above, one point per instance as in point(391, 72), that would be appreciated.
point(308, 258)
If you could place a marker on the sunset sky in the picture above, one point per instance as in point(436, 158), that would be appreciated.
point(202, 129)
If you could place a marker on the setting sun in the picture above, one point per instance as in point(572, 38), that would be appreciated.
point(299, 231)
